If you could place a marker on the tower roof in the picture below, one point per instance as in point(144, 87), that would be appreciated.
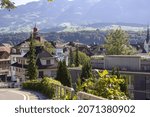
point(148, 35)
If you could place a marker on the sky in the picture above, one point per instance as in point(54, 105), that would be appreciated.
point(20, 2)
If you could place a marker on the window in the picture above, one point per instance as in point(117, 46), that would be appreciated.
point(41, 74)
point(48, 62)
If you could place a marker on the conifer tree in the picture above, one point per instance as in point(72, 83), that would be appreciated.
point(86, 71)
point(77, 57)
point(32, 71)
point(71, 57)
point(63, 74)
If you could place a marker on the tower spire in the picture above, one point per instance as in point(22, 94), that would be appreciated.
point(148, 35)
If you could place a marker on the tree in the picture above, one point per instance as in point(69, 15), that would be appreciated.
point(86, 71)
point(117, 43)
point(7, 4)
point(71, 57)
point(82, 58)
point(63, 74)
point(77, 57)
point(32, 71)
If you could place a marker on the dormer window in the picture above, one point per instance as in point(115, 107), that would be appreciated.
point(48, 62)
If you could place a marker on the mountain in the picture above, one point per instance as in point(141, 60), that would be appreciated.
point(80, 12)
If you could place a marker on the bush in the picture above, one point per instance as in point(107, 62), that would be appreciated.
point(32, 85)
point(45, 86)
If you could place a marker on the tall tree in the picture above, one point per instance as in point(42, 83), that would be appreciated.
point(86, 71)
point(70, 57)
point(63, 74)
point(32, 71)
point(82, 57)
point(117, 43)
point(77, 57)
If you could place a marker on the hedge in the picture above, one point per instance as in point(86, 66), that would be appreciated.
point(45, 86)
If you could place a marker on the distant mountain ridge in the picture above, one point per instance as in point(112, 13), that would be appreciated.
point(80, 12)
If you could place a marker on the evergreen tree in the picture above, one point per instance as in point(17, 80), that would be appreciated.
point(71, 57)
point(77, 57)
point(32, 71)
point(63, 74)
point(86, 71)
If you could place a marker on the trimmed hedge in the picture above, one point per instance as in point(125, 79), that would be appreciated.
point(45, 86)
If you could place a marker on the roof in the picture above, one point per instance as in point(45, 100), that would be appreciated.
point(4, 55)
point(40, 52)
point(5, 48)
point(124, 56)
point(38, 63)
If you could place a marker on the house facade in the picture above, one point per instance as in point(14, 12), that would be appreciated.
point(4, 62)
point(45, 61)
point(147, 42)
point(135, 68)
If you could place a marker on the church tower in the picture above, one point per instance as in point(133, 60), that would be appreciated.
point(147, 41)
point(35, 31)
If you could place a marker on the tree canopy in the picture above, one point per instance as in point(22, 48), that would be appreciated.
point(117, 43)
point(32, 71)
point(63, 74)
point(82, 57)
point(8, 4)
point(106, 85)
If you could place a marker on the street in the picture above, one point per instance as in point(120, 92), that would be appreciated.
point(17, 94)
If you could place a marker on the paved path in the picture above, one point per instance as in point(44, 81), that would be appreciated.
point(17, 94)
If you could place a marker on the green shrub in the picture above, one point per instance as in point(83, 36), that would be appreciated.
point(32, 85)
point(45, 86)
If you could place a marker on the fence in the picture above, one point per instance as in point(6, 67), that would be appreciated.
point(87, 96)
point(4, 85)
point(63, 91)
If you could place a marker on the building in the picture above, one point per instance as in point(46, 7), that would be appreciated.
point(45, 61)
point(4, 62)
point(147, 42)
point(136, 68)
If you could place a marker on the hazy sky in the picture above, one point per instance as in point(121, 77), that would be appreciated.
point(19, 2)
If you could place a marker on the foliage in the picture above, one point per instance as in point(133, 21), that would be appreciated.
point(32, 72)
point(7, 4)
point(45, 86)
point(88, 86)
point(34, 85)
point(82, 57)
point(117, 43)
point(108, 86)
point(63, 74)
point(48, 46)
point(71, 62)
point(77, 57)
point(78, 84)
point(86, 71)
